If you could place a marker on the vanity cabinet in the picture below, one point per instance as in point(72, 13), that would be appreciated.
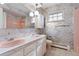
point(29, 50)
point(34, 48)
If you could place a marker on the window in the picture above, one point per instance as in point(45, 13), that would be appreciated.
point(56, 17)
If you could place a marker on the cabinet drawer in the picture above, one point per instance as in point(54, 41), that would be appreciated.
point(32, 53)
point(29, 48)
point(17, 53)
point(14, 52)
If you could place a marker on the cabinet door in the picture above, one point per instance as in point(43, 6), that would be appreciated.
point(44, 45)
point(29, 48)
point(32, 53)
point(41, 47)
point(39, 50)
point(44, 48)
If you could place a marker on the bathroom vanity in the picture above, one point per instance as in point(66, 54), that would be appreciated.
point(31, 46)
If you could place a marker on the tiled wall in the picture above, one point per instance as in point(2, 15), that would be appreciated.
point(15, 33)
point(62, 35)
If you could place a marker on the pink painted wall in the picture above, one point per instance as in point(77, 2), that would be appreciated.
point(76, 31)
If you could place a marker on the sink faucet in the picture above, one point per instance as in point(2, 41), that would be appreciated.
point(8, 33)
point(10, 38)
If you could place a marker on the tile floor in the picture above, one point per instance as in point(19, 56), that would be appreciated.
point(59, 52)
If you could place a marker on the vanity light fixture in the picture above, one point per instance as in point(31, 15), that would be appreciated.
point(35, 13)
point(1, 2)
point(38, 5)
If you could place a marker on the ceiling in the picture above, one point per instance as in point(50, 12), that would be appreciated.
point(25, 8)
point(17, 8)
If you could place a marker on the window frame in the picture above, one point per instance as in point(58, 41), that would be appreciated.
point(56, 16)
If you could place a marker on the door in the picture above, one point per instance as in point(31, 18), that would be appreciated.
point(76, 31)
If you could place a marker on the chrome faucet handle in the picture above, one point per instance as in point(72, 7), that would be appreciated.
point(8, 33)
point(11, 39)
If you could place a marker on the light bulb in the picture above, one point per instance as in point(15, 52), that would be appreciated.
point(1, 2)
point(36, 13)
point(31, 14)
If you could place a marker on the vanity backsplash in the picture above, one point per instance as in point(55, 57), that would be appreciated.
point(6, 34)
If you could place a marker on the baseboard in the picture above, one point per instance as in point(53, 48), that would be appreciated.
point(61, 46)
